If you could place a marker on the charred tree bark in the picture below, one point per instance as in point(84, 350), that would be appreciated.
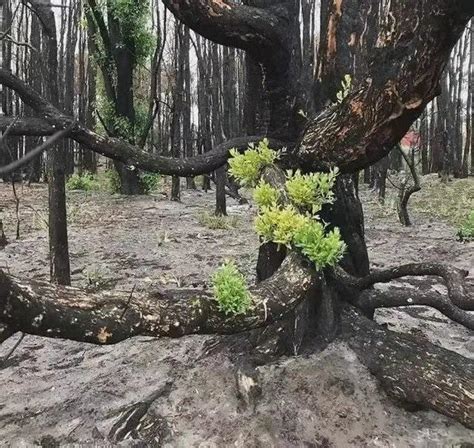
point(58, 236)
point(412, 370)
point(217, 126)
point(109, 317)
point(35, 80)
point(346, 213)
point(380, 178)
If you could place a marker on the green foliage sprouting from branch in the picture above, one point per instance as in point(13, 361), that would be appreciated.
point(246, 168)
point(311, 191)
point(321, 247)
point(297, 224)
point(279, 224)
point(230, 289)
point(265, 195)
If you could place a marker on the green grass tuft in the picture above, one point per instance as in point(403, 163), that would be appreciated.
point(466, 231)
point(214, 222)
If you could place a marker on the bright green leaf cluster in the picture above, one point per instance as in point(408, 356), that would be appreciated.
point(321, 247)
point(230, 289)
point(278, 224)
point(288, 227)
point(246, 167)
point(296, 224)
point(311, 191)
point(265, 195)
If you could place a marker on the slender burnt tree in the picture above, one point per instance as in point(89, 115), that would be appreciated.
point(391, 56)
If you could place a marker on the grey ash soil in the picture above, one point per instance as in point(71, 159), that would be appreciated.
point(58, 392)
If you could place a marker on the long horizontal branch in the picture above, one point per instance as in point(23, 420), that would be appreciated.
point(109, 317)
point(371, 299)
point(119, 149)
point(27, 126)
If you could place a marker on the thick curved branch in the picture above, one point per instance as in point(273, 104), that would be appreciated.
point(411, 369)
point(257, 30)
point(412, 49)
point(453, 277)
point(371, 299)
point(119, 149)
point(109, 317)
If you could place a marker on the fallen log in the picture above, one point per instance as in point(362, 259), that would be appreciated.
point(413, 370)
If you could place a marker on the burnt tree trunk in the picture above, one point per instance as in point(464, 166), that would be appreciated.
point(406, 373)
point(57, 224)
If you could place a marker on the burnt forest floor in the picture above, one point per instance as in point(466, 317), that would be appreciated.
point(59, 392)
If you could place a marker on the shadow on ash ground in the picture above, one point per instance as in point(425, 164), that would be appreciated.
point(56, 392)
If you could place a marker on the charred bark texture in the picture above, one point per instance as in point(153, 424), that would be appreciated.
point(403, 76)
point(109, 317)
point(413, 370)
point(256, 30)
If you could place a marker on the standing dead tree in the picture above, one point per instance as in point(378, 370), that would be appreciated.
point(410, 44)
point(407, 191)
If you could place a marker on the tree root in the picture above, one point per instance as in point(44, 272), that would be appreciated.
point(411, 370)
